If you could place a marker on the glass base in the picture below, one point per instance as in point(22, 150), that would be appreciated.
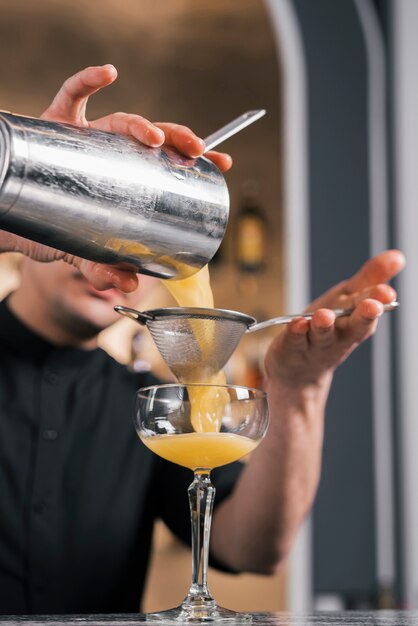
point(199, 613)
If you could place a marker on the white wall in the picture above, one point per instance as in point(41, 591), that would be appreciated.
point(296, 229)
point(406, 163)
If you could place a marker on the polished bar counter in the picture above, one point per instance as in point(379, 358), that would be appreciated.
point(347, 618)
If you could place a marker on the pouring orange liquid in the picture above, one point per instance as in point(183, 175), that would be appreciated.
point(210, 407)
point(206, 404)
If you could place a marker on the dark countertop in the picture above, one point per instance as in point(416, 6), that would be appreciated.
point(348, 618)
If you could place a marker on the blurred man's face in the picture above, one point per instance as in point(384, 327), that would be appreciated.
point(69, 300)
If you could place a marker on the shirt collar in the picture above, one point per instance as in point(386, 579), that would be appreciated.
point(22, 340)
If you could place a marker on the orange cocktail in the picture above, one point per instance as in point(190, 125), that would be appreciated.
point(201, 450)
point(168, 420)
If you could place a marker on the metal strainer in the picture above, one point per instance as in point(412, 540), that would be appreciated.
point(196, 342)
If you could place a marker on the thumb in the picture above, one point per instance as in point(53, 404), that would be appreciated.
point(69, 105)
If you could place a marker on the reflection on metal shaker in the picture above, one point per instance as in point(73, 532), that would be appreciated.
point(109, 198)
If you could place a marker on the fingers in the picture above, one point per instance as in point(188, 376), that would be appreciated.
point(222, 160)
point(322, 329)
point(105, 276)
point(379, 269)
point(309, 350)
point(154, 135)
point(131, 125)
point(363, 321)
point(367, 282)
point(295, 335)
point(336, 338)
point(367, 310)
point(318, 334)
point(183, 139)
point(180, 137)
point(188, 143)
point(325, 330)
point(383, 293)
point(69, 105)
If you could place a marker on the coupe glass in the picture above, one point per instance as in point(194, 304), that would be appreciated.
point(200, 427)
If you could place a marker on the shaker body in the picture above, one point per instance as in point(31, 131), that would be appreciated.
point(108, 198)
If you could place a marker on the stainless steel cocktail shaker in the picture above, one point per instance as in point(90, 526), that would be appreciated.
point(109, 198)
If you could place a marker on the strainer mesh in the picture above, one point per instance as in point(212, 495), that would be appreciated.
point(195, 348)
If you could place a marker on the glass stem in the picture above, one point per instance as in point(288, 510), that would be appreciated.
point(201, 497)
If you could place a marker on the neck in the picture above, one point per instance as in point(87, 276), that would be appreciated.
point(39, 321)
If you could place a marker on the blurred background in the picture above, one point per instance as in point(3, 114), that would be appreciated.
point(323, 181)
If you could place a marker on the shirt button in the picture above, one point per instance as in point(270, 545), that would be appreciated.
point(50, 434)
point(51, 377)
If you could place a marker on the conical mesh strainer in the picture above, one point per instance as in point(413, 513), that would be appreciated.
point(196, 342)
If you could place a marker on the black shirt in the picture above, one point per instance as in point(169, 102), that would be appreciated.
point(79, 493)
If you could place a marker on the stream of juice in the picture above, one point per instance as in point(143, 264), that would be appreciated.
point(207, 404)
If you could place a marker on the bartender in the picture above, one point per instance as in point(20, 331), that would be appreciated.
point(79, 493)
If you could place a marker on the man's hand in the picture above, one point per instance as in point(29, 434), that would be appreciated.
point(69, 106)
point(278, 484)
point(308, 352)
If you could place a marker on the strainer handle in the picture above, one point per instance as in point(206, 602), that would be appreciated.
point(285, 319)
point(133, 314)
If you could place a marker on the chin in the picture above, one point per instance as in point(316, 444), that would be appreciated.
point(98, 322)
point(83, 329)
point(89, 320)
